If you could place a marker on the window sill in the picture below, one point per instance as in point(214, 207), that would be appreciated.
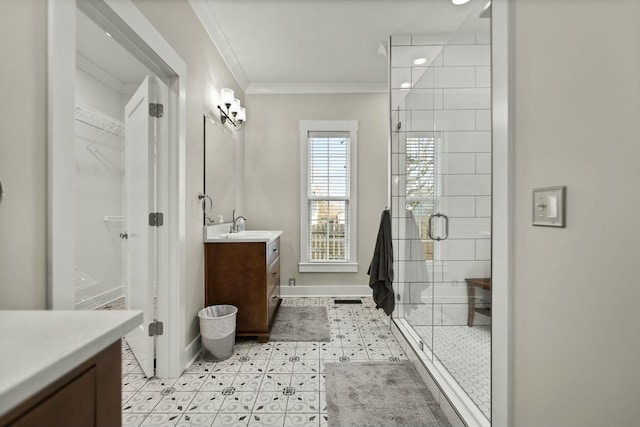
point(328, 267)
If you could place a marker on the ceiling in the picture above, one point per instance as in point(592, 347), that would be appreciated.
point(289, 46)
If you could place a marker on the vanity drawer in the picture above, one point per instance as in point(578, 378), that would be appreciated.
point(273, 302)
point(273, 251)
point(273, 276)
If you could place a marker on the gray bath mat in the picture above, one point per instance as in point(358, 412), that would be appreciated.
point(301, 324)
point(385, 394)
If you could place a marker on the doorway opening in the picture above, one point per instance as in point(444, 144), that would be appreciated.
point(124, 113)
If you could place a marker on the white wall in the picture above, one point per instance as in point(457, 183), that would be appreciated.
point(23, 165)
point(206, 75)
point(272, 179)
point(575, 290)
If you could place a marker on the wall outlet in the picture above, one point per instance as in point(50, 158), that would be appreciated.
point(292, 282)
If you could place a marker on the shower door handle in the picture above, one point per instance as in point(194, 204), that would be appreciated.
point(446, 226)
point(431, 217)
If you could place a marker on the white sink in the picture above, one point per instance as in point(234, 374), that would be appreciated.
point(251, 234)
point(214, 235)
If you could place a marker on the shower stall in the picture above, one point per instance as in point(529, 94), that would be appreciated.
point(440, 102)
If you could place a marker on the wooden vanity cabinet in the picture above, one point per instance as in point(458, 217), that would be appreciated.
point(88, 395)
point(247, 275)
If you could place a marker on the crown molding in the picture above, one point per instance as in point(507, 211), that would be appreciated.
point(210, 23)
point(311, 88)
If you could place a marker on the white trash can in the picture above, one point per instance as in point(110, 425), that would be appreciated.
point(218, 331)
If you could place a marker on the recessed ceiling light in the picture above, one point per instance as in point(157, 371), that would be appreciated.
point(419, 61)
point(459, 2)
point(405, 85)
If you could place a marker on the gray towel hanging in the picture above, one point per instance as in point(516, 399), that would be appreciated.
point(381, 268)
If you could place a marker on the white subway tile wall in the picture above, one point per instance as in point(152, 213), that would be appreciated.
point(454, 120)
point(400, 76)
point(457, 163)
point(466, 55)
point(467, 142)
point(452, 77)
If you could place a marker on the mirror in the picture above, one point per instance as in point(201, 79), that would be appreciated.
point(220, 180)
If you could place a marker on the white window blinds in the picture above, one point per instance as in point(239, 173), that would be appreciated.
point(328, 194)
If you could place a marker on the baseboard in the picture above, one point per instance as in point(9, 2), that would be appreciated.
point(325, 291)
point(192, 351)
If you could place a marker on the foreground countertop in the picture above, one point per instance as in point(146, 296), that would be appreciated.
point(37, 347)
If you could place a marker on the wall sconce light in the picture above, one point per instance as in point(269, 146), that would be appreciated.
point(234, 114)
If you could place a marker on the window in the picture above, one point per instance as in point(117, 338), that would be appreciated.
point(420, 182)
point(328, 196)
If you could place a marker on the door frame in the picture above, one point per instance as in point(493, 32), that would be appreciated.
point(502, 70)
point(148, 45)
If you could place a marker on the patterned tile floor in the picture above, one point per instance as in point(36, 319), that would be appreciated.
point(273, 384)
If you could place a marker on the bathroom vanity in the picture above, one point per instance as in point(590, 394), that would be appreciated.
point(62, 368)
point(243, 269)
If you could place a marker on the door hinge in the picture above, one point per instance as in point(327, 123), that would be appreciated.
point(155, 328)
point(156, 110)
point(156, 219)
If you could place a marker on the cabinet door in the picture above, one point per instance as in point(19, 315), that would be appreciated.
point(235, 273)
point(73, 405)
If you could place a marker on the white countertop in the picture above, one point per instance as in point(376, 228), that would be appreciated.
point(213, 234)
point(38, 347)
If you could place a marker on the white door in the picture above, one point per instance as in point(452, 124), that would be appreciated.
point(140, 188)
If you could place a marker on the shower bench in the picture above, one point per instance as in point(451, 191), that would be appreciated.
point(472, 284)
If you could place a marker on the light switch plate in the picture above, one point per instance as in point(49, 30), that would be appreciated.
point(549, 206)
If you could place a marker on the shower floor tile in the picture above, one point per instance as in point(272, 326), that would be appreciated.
point(466, 353)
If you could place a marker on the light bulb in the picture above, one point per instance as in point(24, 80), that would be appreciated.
point(235, 107)
point(242, 115)
point(227, 96)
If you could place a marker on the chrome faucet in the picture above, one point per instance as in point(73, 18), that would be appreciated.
point(234, 225)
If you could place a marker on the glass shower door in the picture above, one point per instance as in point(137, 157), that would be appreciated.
point(441, 194)
point(415, 185)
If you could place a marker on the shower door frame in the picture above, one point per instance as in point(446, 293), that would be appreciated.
point(155, 52)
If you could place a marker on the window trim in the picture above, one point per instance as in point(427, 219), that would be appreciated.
point(305, 265)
